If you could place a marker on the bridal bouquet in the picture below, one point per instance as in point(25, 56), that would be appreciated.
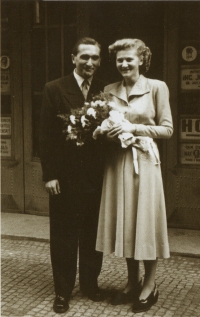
point(80, 124)
point(144, 143)
point(115, 117)
point(96, 118)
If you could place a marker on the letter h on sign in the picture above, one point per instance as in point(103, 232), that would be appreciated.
point(187, 125)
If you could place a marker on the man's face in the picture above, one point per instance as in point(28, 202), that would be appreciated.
point(87, 60)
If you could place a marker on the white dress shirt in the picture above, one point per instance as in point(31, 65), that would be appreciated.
point(80, 80)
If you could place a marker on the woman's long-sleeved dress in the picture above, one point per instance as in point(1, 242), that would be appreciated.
point(132, 220)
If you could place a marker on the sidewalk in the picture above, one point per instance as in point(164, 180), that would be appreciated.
point(27, 283)
point(30, 227)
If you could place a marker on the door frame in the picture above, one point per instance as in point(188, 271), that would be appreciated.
point(36, 197)
point(12, 175)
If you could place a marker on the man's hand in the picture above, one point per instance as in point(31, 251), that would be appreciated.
point(53, 187)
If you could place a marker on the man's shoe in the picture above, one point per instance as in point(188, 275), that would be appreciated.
point(142, 305)
point(60, 304)
point(129, 297)
point(96, 295)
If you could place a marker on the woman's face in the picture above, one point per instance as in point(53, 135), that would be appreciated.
point(128, 62)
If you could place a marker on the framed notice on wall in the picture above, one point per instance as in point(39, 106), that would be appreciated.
point(190, 78)
point(190, 153)
point(6, 147)
point(5, 81)
point(5, 126)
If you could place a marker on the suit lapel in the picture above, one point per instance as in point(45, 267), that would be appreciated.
point(94, 88)
point(72, 92)
point(71, 85)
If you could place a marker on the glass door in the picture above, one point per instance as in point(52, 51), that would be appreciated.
point(12, 164)
point(49, 32)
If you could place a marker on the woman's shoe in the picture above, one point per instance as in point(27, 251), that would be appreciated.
point(124, 298)
point(142, 305)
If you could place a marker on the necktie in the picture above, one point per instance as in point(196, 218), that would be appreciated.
point(85, 87)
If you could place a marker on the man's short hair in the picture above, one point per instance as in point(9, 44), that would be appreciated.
point(84, 40)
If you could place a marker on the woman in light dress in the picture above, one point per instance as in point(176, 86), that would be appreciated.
point(132, 220)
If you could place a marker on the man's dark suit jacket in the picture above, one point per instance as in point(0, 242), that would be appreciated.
point(81, 166)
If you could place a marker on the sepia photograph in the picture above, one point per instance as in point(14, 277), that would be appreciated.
point(100, 158)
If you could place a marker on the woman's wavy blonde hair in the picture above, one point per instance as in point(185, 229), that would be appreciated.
point(140, 47)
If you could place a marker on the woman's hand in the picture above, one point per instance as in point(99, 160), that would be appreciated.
point(120, 128)
point(112, 138)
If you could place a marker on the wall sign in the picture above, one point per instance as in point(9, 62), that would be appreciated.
point(190, 153)
point(4, 62)
point(6, 147)
point(190, 129)
point(189, 53)
point(190, 78)
point(5, 126)
point(5, 81)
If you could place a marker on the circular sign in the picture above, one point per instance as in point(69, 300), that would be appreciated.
point(5, 62)
point(189, 53)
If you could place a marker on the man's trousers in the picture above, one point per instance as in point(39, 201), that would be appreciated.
point(73, 226)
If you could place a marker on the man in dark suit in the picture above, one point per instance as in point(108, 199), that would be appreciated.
point(73, 178)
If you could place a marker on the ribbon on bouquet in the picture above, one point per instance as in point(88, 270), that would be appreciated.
point(144, 143)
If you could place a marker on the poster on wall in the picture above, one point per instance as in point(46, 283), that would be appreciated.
point(189, 103)
point(5, 126)
point(190, 153)
point(6, 147)
point(190, 128)
point(5, 73)
point(190, 78)
point(5, 81)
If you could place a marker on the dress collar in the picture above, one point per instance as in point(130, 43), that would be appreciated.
point(140, 88)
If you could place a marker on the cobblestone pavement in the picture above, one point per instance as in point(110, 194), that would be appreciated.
point(27, 288)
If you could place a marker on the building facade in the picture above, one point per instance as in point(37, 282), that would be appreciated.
point(37, 38)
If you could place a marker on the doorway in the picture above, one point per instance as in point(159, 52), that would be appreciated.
point(42, 34)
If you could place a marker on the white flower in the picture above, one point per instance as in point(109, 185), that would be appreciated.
point(93, 104)
point(106, 125)
point(83, 121)
point(91, 112)
point(102, 103)
point(69, 129)
point(96, 103)
point(73, 137)
point(111, 104)
point(116, 116)
point(72, 119)
point(79, 143)
point(86, 103)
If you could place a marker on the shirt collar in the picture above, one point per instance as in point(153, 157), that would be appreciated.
point(80, 79)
